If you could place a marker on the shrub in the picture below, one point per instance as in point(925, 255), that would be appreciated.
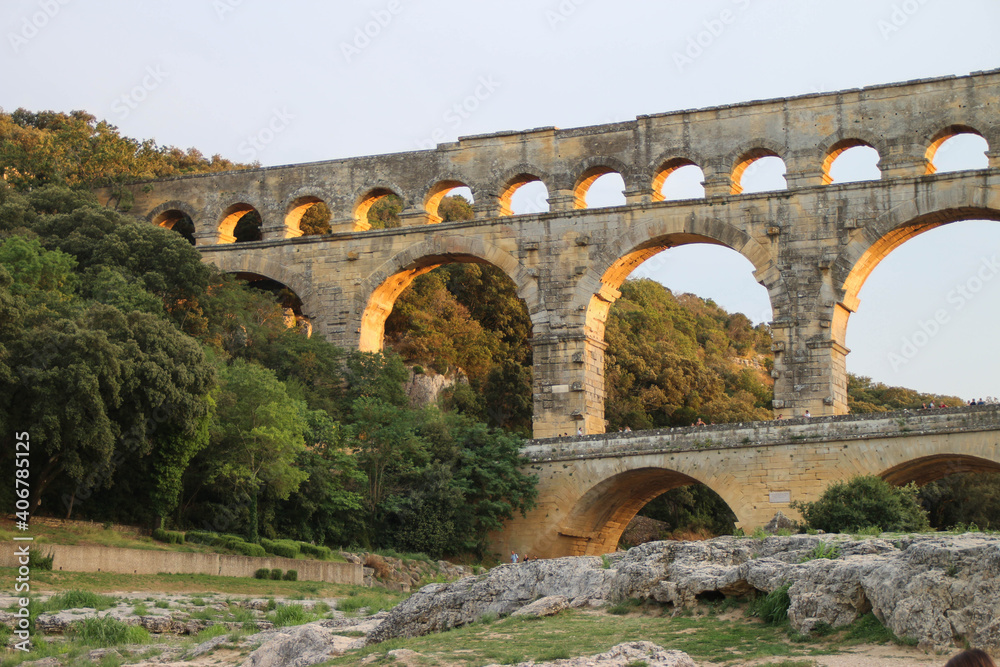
point(773, 607)
point(290, 614)
point(37, 561)
point(291, 575)
point(248, 549)
point(863, 502)
point(109, 631)
point(262, 573)
point(283, 548)
point(200, 536)
point(320, 552)
point(168, 536)
point(276, 574)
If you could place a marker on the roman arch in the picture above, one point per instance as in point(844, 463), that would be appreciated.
point(811, 244)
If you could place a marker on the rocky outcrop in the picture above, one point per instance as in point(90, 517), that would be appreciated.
point(622, 655)
point(300, 646)
point(425, 388)
point(548, 606)
point(502, 591)
point(937, 589)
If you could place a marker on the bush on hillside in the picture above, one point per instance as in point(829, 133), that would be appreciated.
point(168, 536)
point(863, 502)
point(283, 548)
point(320, 552)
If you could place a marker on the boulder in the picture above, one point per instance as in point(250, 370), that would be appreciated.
point(502, 591)
point(547, 606)
point(779, 522)
point(299, 646)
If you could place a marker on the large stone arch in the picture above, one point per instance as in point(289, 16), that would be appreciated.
point(599, 517)
point(248, 262)
point(378, 292)
point(879, 238)
point(598, 289)
point(933, 467)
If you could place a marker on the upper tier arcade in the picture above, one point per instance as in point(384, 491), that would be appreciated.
point(812, 245)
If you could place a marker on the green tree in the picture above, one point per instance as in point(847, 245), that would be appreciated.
point(384, 213)
point(863, 502)
point(257, 433)
point(328, 507)
point(963, 499)
point(316, 220)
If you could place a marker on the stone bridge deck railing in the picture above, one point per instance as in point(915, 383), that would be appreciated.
point(798, 431)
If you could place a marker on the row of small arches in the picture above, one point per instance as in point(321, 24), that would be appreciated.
point(758, 170)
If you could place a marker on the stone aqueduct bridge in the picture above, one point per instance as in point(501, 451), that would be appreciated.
point(591, 487)
point(812, 246)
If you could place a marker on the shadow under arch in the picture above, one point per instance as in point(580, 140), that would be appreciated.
point(865, 252)
point(249, 264)
point(601, 514)
point(932, 468)
point(378, 293)
point(610, 270)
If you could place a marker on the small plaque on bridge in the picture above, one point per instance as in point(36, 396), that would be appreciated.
point(781, 496)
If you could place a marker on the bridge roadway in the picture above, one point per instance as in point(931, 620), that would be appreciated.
point(590, 487)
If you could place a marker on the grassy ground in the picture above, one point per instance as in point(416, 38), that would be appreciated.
point(706, 635)
point(107, 582)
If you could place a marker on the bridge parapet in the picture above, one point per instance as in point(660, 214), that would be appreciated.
point(751, 435)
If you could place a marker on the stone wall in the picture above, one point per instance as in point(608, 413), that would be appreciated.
point(93, 558)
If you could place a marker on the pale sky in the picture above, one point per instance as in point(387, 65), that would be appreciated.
point(214, 73)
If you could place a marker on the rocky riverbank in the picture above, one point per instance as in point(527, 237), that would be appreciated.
point(939, 590)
